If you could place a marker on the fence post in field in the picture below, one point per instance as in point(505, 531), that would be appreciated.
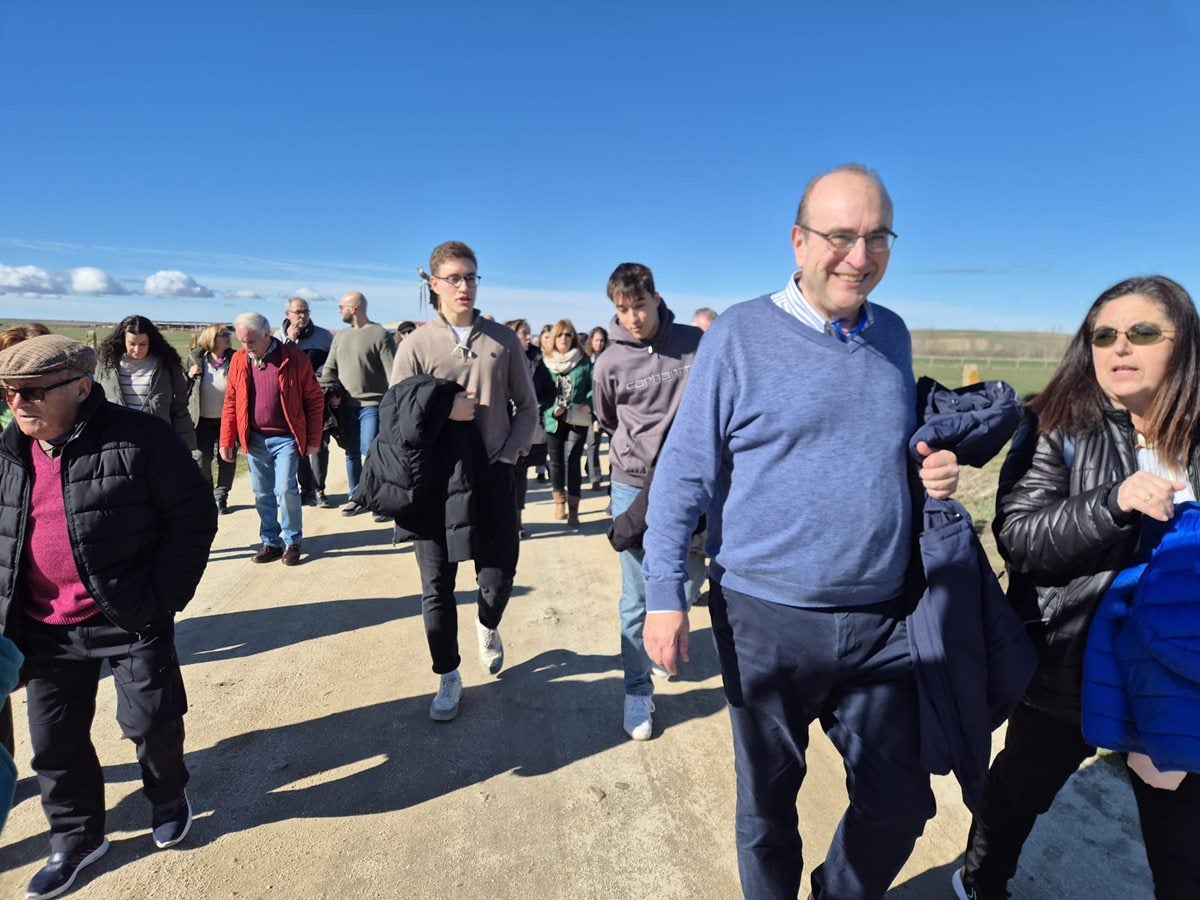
point(970, 374)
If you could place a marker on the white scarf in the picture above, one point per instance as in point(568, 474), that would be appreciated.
point(562, 364)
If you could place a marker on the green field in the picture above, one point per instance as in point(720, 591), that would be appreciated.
point(1027, 376)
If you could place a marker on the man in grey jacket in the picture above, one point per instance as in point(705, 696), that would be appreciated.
point(298, 328)
point(636, 388)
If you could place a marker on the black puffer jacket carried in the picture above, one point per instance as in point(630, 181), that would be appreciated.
point(1064, 539)
point(423, 467)
point(140, 516)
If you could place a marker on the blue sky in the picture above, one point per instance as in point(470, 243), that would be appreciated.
point(159, 157)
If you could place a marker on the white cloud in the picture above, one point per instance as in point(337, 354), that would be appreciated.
point(173, 283)
point(311, 294)
point(242, 295)
point(30, 280)
point(90, 280)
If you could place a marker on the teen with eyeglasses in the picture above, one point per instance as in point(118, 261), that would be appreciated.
point(1109, 448)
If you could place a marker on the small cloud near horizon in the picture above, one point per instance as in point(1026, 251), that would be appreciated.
point(242, 295)
point(311, 294)
point(173, 283)
point(97, 282)
point(31, 280)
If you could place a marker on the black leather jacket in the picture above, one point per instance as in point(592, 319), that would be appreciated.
point(140, 516)
point(1064, 539)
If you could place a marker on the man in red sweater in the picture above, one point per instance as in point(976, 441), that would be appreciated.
point(274, 407)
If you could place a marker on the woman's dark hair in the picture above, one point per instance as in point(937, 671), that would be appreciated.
point(112, 348)
point(1074, 403)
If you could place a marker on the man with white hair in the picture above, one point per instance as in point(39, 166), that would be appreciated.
point(274, 409)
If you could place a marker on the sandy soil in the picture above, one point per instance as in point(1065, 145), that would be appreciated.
point(316, 771)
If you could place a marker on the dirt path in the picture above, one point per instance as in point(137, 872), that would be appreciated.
point(316, 771)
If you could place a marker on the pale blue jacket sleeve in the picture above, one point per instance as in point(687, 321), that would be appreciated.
point(688, 473)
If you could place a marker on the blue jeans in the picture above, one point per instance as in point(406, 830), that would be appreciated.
point(359, 430)
point(273, 461)
point(633, 600)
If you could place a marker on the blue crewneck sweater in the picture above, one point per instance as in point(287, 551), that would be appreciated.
point(794, 443)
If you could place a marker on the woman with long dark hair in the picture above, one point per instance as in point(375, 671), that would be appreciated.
point(207, 375)
point(597, 342)
point(139, 370)
point(1111, 443)
point(567, 419)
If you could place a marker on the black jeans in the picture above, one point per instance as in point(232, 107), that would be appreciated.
point(591, 455)
point(63, 664)
point(495, 568)
point(312, 468)
point(208, 433)
point(563, 450)
point(1040, 753)
point(536, 457)
point(850, 668)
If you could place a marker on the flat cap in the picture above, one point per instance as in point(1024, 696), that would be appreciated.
point(44, 354)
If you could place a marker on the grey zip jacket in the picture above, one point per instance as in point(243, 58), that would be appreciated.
point(636, 388)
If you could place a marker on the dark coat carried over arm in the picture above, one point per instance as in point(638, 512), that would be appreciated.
point(423, 467)
point(971, 657)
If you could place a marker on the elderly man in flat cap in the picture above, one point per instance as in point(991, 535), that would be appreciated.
point(105, 527)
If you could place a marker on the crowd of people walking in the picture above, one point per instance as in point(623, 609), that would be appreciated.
point(783, 450)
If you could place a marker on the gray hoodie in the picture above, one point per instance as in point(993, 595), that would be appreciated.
point(636, 388)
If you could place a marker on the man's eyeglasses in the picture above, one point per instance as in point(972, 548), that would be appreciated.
point(34, 394)
point(1142, 334)
point(844, 241)
point(459, 280)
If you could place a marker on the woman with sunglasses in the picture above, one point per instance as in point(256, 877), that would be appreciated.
point(207, 373)
point(568, 419)
point(139, 370)
point(1110, 442)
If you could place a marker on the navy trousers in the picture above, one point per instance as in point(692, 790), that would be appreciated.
point(63, 664)
point(849, 668)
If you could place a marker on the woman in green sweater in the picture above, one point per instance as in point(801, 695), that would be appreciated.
point(568, 419)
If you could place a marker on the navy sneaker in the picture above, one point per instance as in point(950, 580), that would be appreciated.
point(57, 876)
point(171, 822)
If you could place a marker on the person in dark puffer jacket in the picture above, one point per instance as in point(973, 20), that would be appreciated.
point(105, 528)
point(1112, 442)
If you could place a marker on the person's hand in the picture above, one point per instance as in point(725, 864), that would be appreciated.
point(303, 449)
point(939, 471)
point(559, 412)
point(293, 331)
point(665, 636)
point(194, 372)
point(463, 409)
point(1149, 494)
point(227, 454)
point(334, 401)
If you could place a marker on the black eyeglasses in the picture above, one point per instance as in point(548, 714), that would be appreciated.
point(34, 394)
point(844, 241)
point(1141, 334)
point(459, 280)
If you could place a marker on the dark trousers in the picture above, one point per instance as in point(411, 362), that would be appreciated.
point(312, 468)
point(7, 738)
point(1040, 753)
point(849, 667)
point(208, 433)
point(63, 664)
point(563, 451)
point(536, 457)
point(495, 568)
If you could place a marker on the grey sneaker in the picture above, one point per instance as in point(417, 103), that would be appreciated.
point(491, 648)
point(445, 705)
point(639, 724)
point(323, 502)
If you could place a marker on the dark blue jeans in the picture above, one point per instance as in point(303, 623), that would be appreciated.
point(849, 668)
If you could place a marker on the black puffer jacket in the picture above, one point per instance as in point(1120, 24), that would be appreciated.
point(423, 468)
point(1064, 538)
point(140, 516)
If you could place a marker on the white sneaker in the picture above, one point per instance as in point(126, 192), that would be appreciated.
point(639, 725)
point(445, 705)
point(491, 648)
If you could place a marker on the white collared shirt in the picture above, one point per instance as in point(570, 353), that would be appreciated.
point(790, 300)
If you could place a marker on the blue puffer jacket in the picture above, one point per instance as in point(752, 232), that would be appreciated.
point(971, 656)
point(1141, 669)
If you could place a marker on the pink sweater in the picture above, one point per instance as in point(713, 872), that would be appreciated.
point(57, 596)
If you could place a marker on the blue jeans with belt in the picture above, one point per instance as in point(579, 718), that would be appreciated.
point(634, 660)
point(273, 462)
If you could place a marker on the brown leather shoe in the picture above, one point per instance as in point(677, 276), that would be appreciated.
point(267, 553)
point(291, 556)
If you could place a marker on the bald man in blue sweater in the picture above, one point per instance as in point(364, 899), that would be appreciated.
point(792, 435)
